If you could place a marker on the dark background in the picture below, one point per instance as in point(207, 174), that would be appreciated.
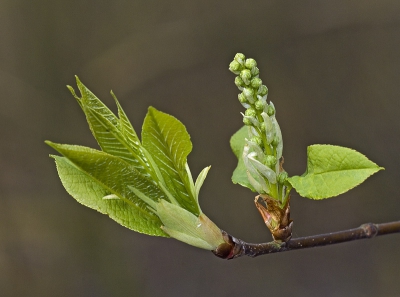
point(333, 71)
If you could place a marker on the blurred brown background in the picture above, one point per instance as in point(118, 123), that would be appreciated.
point(333, 71)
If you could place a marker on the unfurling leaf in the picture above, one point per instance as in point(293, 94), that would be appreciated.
point(167, 141)
point(332, 170)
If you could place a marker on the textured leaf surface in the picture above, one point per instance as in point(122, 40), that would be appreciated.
point(168, 142)
point(93, 195)
point(89, 175)
point(114, 135)
point(332, 170)
point(237, 142)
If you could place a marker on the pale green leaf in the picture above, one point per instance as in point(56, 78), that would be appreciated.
point(167, 141)
point(91, 193)
point(200, 180)
point(181, 224)
point(332, 170)
point(237, 142)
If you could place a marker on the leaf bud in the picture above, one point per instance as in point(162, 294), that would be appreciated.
point(259, 105)
point(242, 98)
point(256, 82)
point(239, 82)
point(235, 67)
point(240, 58)
point(270, 161)
point(271, 110)
point(250, 63)
point(282, 177)
point(250, 112)
point(263, 90)
point(245, 75)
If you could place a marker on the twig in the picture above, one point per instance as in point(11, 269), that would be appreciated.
point(236, 247)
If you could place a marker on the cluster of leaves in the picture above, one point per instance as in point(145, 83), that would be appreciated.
point(144, 185)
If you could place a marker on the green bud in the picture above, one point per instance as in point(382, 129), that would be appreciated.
point(248, 93)
point(250, 112)
point(242, 98)
point(255, 71)
point(247, 121)
point(256, 82)
point(262, 127)
point(257, 140)
point(245, 75)
point(259, 105)
point(270, 161)
point(276, 141)
point(271, 110)
point(250, 63)
point(263, 90)
point(239, 82)
point(240, 58)
point(235, 67)
point(282, 177)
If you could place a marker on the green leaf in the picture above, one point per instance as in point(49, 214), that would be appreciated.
point(90, 175)
point(237, 142)
point(92, 194)
point(167, 141)
point(115, 136)
point(332, 170)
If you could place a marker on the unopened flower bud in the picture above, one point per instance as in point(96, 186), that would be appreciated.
point(235, 67)
point(263, 90)
point(250, 63)
point(255, 71)
point(240, 58)
point(247, 121)
point(270, 161)
point(242, 98)
point(256, 82)
point(259, 105)
point(250, 112)
point(271, 110)
point(245, 75)
point(257, 140)
point(276, 141)
point(282, 177)
point(262, 127)
point(239, 82)
point(248, 93)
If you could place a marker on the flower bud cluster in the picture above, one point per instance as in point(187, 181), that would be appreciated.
point(263, 148)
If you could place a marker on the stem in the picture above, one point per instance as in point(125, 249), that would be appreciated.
point(240, 248)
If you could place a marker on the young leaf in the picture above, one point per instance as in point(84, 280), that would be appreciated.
point(200, 180)
point(93, 194)
point(115, 136)
point(237, 142)
point(332, 170)
point(181, 224)
point(116, 177)
point(167, 141)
